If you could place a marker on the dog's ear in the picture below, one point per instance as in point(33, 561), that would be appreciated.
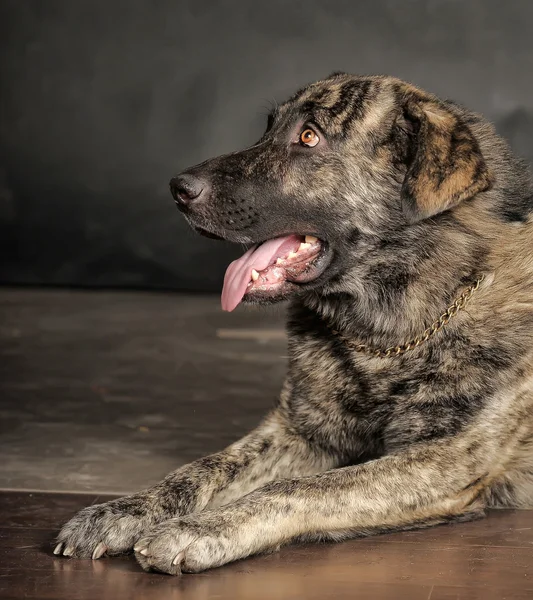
point(445, 164)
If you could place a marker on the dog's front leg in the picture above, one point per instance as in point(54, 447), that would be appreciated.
point(426, 486)
point(269, 452)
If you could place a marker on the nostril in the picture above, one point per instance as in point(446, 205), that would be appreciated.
point(185, 189)
point(182, 194)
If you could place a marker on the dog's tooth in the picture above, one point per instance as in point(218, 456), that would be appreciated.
point(304, 246)
point(255, 275)
point(310, 239)
point(291, 254)
point(279, 261)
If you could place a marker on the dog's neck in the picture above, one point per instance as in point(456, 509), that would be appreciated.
point(403, 284)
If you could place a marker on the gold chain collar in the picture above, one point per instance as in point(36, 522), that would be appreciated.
point(434, 328)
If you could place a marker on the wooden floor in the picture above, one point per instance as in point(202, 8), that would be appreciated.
point(110, 391)
point(485, 560)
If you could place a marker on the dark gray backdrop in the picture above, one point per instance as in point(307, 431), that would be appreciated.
point(102, 101)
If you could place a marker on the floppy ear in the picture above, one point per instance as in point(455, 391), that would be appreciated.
point(446, 165)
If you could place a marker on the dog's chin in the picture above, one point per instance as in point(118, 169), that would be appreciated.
point(272, 295)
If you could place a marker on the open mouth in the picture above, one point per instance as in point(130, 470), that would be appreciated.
point(269, 269)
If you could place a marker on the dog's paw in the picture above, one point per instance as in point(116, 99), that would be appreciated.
point(110, 528)
point(190, 544)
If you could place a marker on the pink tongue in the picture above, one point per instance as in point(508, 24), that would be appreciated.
point(239, 273)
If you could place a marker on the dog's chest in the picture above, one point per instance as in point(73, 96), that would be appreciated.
point(343, 409)
point(358, 407)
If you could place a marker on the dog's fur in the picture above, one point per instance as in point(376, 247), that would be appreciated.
point(416, 198)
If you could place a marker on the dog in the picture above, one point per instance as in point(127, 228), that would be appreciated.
point(400, 229)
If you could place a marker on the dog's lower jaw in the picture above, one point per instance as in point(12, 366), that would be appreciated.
point(269, 296)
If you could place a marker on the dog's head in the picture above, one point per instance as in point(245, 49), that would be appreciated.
point(345, 159)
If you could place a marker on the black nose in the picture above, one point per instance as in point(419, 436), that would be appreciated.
point(187, 189)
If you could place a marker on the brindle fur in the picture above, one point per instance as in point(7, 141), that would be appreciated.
point(417, 197)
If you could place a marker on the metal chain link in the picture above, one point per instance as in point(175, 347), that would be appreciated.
point(434, 328)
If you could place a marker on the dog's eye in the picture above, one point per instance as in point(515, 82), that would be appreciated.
point(309, 138)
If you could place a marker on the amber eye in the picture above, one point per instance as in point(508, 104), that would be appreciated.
point(308, 137)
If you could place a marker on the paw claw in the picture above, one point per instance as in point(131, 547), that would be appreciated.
point(179, 558)
point(57, 549)
point(99, 551)
point(68, 551)
point(144, 552)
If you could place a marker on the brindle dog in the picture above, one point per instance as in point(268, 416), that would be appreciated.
point(409, 205)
